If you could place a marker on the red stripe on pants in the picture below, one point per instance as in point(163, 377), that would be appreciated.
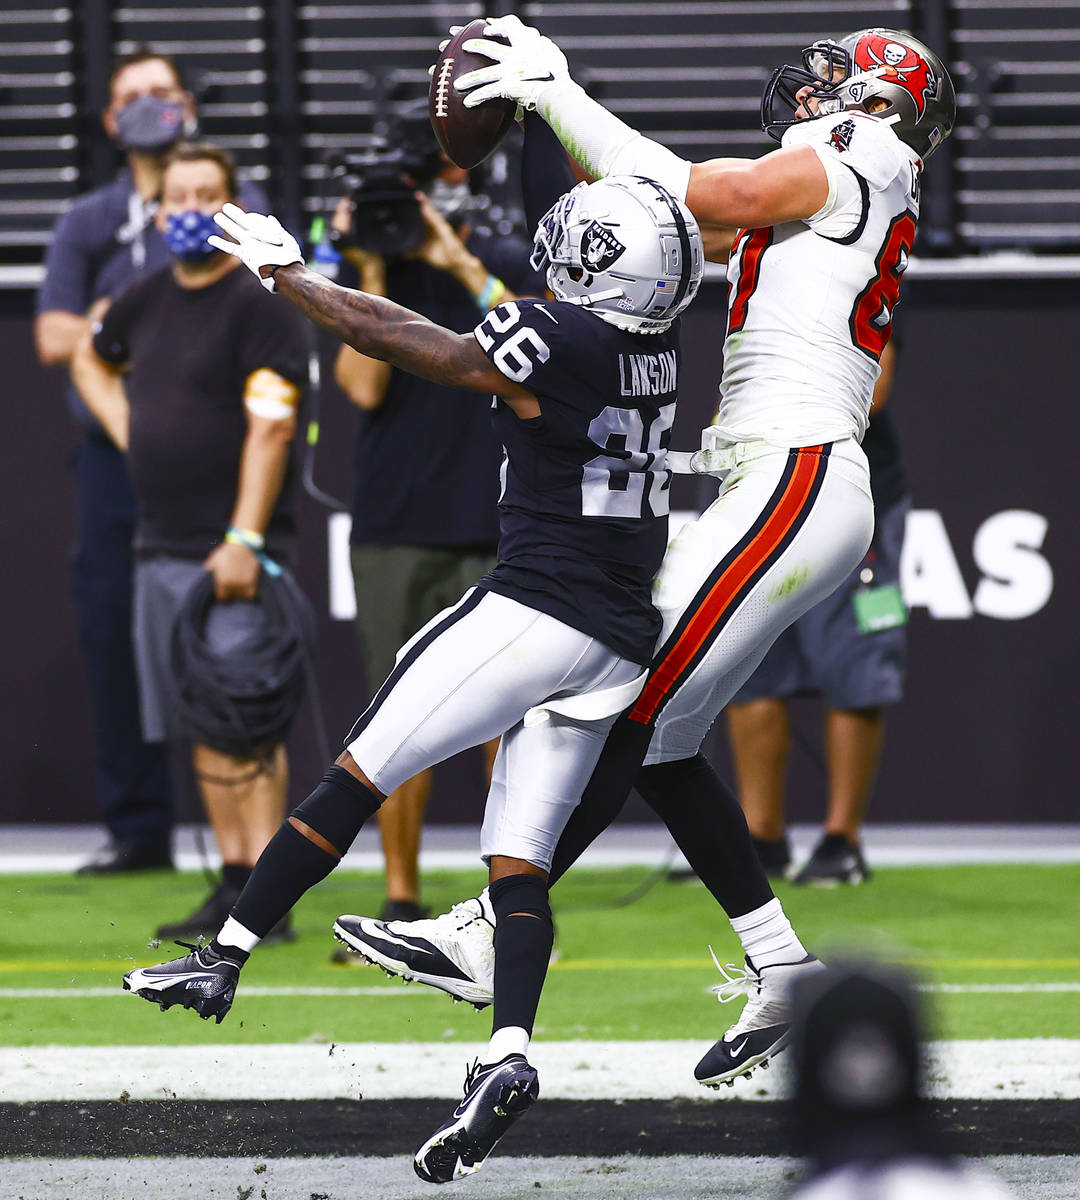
point(665, 675)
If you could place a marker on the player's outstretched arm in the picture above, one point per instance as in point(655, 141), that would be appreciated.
point(372, 325)
point(382, 329)
point(789, 184)
point(531, 69)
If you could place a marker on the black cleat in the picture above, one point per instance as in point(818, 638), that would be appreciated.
point(120, 857)
point(201, 980)
point(835, 860)
point(496, 1095)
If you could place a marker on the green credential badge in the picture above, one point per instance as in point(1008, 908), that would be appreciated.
point(879, 608)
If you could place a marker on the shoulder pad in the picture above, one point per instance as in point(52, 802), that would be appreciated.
point(862, 142)
point(517, 336)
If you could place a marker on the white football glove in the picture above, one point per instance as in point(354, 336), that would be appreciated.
point(520, 71)
point(258, 241)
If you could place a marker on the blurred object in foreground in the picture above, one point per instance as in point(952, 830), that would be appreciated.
point(860, 1111)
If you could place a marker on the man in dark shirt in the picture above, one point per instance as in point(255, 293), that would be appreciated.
point(421, 537)
point(851, 649)
point(213, 371)
point(103, 242)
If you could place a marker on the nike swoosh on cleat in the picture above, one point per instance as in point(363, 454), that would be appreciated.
point(436, 961)
point(733, 1050)
point(190, 978)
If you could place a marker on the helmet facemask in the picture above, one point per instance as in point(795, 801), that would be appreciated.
point(921, 116)
point(558, 252)
point(825, 65)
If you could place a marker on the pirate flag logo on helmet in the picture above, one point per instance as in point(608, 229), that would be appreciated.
point(898, 64)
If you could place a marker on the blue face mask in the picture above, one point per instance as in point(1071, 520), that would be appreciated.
point(186, 234)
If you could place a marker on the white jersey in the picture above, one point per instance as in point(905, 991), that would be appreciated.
point(811, 302)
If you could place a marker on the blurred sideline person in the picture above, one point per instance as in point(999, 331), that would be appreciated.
point(104, 241)
point(551, 645)
point(422, 536)
point(851, 649)
point(860, 1113)
point(196, 374)
point(819, 233)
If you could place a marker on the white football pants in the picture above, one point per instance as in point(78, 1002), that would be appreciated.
point(490, 666)
point(786, 529)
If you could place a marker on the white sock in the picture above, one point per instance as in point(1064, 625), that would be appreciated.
point(232, 933)
point(767, 936)
point(510, 1040)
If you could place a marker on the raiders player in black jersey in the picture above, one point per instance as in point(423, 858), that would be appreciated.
point(552, 644)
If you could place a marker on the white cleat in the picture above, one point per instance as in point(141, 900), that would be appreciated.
point(454, 952)
point(764, 1026)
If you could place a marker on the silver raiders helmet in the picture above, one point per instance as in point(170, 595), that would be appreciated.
point(625, 248)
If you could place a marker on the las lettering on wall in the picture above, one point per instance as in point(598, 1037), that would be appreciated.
point(342, 592)
point(1015, 582)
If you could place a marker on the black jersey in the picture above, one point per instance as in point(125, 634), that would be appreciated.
point(583, 511)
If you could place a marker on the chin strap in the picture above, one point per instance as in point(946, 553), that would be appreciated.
point(599, 298)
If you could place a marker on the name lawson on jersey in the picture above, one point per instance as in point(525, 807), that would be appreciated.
point(583, 511)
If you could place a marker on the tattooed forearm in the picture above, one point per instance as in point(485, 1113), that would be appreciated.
point(379, 328)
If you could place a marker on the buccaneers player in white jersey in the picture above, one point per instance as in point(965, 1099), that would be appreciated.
point(819, 234)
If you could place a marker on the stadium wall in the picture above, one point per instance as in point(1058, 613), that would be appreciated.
point(985, 403)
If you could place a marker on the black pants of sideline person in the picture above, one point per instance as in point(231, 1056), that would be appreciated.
point(132, 776)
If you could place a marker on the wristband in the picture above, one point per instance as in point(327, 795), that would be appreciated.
point(254, 542)
point(245, 537)
point(491, 293)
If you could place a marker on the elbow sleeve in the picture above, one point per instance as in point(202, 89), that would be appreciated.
point(642, 156)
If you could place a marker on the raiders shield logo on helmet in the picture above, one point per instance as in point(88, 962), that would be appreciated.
point(599, 248)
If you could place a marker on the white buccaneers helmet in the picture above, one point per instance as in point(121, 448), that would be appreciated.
point(624, 247)
point(887, 65)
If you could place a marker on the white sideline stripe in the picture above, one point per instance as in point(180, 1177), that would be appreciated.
point(1011, 988)
point(34, 848)
point(36, 863)
point(87, 993)
point(393, 991)
point(1035, 1069)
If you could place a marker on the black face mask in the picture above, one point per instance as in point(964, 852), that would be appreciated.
point(149, 124)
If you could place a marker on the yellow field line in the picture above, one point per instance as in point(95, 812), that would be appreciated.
point(22, 967)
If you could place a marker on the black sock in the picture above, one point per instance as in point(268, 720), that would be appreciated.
point(708, 826)
point(292, 863)
point(604, 794)
point(523, 939)
point(234, 876)
point(231, 952)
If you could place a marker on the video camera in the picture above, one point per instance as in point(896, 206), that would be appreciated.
point(381, 183)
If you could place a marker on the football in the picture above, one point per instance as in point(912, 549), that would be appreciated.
point(467, 135)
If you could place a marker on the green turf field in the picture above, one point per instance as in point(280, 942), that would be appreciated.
point(637, 971)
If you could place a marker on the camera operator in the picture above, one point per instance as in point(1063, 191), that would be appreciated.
point(425, 525)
